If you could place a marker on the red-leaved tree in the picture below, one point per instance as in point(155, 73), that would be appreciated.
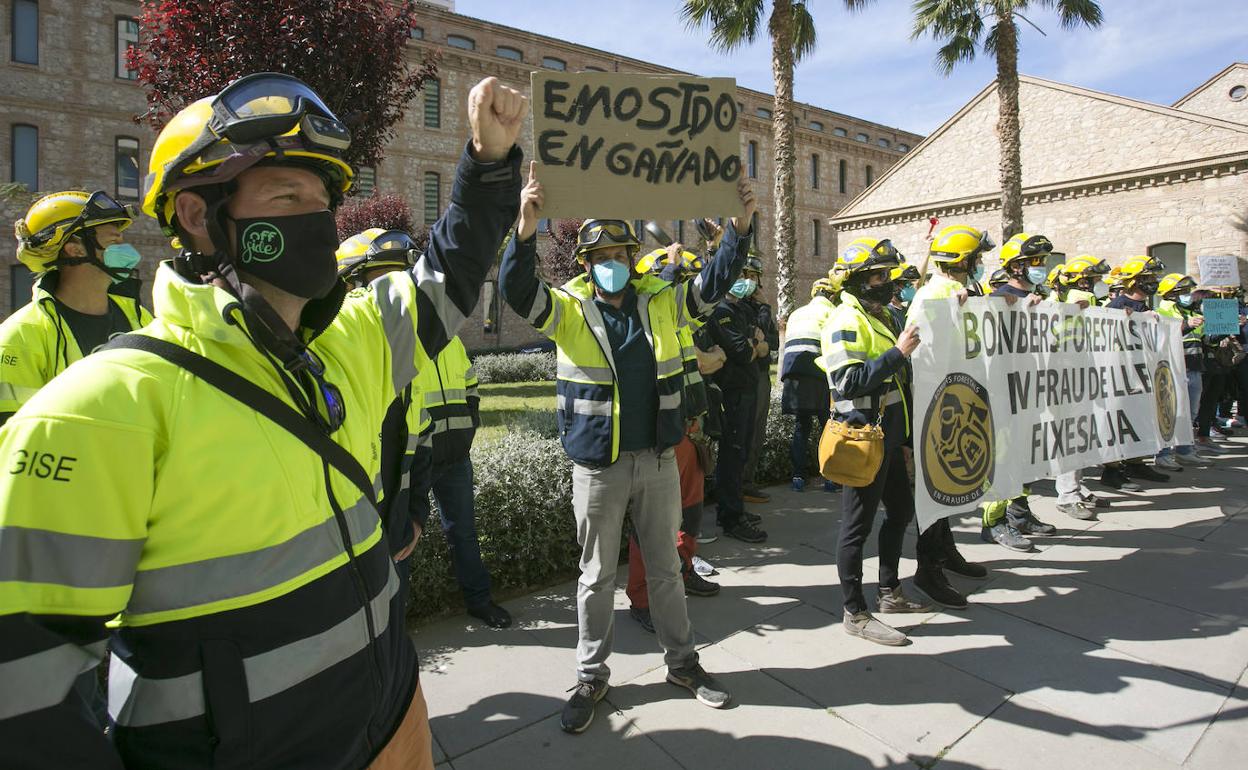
point(558, 263)
point(389, 212)
point(352, 52)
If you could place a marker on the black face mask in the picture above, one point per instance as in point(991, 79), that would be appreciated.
point(880, 295)
point(294, 253)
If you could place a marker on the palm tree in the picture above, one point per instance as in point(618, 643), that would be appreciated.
point(961, 25)
point(733, 24)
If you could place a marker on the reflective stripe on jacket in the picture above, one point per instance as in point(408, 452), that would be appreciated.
point(258, 616)
point(449, 392)
point(36, 344)
point(587, 406)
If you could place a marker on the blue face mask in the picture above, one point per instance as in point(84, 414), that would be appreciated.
point(907, 292)
point(121, 256)
point(1036, 275)
point(978, 273)
point(611, 276)
point(743, 287)
point(1185, 300)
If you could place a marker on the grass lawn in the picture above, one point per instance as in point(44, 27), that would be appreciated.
point(507, 404)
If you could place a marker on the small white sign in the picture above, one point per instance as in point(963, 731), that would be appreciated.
point(1218, 270)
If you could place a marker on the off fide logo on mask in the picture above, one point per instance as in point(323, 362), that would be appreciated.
point(957, 449)
point(261, 242)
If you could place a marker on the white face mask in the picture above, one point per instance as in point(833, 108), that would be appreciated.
point(1100, 290)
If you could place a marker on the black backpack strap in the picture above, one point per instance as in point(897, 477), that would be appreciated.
point(259, 399)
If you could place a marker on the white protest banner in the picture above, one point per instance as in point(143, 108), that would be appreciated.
point(1007, 395)
point(1218, 270)
point(629, 146)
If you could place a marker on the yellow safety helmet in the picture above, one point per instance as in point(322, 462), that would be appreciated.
point(1084, 266)
point(55, 218)
point(960, 245)
point(372, 248)
point(654, 261)
point(1024, 246)
point(1138, 268)
point(602, 233)
point(863, 254)
point(904, 272)
point(999, 277)
point(1055, 276)
point(213, 140)
point(1176, 283)
point(823, 286)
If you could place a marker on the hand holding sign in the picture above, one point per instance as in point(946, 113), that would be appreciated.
point(496, 114)
point(742, 223)
point(531, 199)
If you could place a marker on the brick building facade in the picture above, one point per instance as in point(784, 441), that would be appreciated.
point(67, 121)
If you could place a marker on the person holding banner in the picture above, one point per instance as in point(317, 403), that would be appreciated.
point(1140, 277)
point(619, 385)
point(957, 251)
point(865, 355)
point(1177, 302)
point(805, 385)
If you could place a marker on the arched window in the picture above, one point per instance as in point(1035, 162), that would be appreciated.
point(507, 52)
point(1172, 254)
point(459, 41)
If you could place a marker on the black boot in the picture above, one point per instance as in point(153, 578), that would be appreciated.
point(955, 562)
point(932, 581)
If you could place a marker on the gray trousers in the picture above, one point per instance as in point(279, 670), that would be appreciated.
point(600, 496)
point(762, 403)
point(1070, 488)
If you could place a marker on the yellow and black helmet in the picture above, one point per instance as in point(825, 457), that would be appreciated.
point(1035, 249)
point(960, 245)
point(999, 277)
point(55, 218)
point(865, 254)
point(656, 260)
point(265, 115)
point(601, 233)
point(372, 248)
point(1084, 266)
point(904, 272)
point(1176, 283)
point(823, 286)
point(1140, 268)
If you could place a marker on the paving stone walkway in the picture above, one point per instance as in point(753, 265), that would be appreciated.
point(1118, 643)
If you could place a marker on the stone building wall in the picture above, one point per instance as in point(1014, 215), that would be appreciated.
point(1225, 96)
point(81, 107)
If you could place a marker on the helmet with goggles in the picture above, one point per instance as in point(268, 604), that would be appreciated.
point(603, 233)
point(656, 260)
point(1176, 283)
point(1084, 266)
point(999, 277)
point(866, 254)
point(373, 248)
point(904, 272)
point(1031, 249)
point(265, 115)
point(54, 219)
point(753, 263)
point(1140, 269)
point(958, 246)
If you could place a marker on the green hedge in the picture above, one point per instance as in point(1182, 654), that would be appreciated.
point(514, 367)
point(524, 513)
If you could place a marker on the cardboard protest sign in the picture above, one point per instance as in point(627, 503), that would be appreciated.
point(1218, 270)
point(1221, 316)
point(628, 146)
point(1007, 395)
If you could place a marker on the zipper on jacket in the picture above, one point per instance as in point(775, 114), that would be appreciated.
point(361, 589)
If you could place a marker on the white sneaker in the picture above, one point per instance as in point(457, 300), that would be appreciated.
point(1208, 447)
point(1192, 458)
point(1166, 463)
point(703, 567)
point(707, 537)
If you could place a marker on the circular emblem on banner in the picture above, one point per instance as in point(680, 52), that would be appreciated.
point(957, 442)
point(1167, 399)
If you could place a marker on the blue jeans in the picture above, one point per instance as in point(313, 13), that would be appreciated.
point(451, 484)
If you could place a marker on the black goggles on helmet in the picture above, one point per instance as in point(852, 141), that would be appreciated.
point(394, 244)
point(99, 208)
point(253, 114)
point(883, 254)
point(911, 273)
point(1036, 246)
point(599, 233)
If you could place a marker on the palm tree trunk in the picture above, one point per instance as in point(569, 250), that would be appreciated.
point(1008, 131)
point(781, 27)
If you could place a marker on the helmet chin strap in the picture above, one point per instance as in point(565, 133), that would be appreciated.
point(87, 239)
